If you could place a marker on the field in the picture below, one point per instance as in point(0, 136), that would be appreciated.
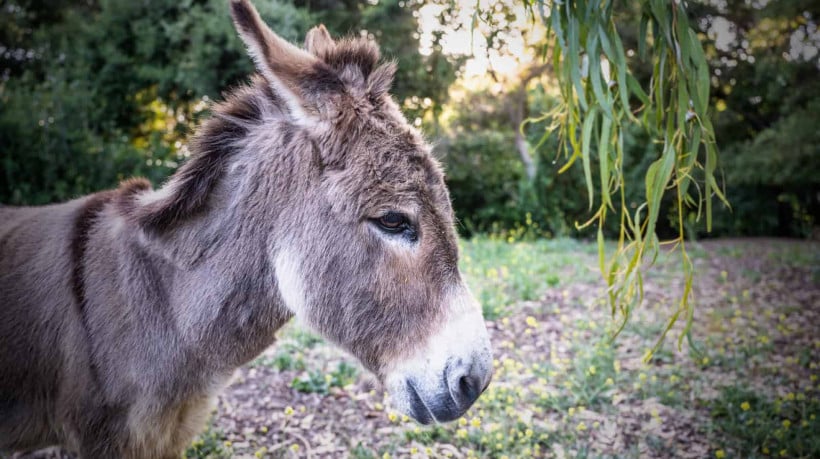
point(748, 388)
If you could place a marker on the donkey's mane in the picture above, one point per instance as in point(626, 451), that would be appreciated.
point(212, 147)
point(217, 140)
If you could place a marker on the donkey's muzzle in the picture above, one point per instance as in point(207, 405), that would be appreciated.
point(462, 385)
point(443, 378)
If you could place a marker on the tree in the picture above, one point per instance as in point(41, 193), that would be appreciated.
point(112, 87)
point(765, 69)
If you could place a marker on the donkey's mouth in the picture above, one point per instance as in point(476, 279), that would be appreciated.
point(443, 408)
point(418, 409)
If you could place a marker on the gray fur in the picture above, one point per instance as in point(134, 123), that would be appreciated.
point(122, 314)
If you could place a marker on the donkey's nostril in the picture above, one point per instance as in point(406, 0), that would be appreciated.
point(465, 385)
point(470, 387)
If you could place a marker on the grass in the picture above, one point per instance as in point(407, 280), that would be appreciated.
point(320, 382)
point(563, 388)
point(757, 426)
point(502, 273)
point(209, 444)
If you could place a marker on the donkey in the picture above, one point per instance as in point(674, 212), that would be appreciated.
point(307, 194)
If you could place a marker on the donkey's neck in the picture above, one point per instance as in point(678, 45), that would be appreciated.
point(222, 291)
point(213, 223)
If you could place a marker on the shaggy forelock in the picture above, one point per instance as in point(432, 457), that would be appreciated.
point(359, 53)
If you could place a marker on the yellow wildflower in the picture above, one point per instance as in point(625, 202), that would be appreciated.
point(581, 427)
point(531, 321)
point(745, 406)
point(720, 454)
point(288, 410)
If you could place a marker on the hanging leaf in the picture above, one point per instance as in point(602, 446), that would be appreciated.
point(591, 64)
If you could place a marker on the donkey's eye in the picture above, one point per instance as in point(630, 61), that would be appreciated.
point(392, 222)
point(396, 223)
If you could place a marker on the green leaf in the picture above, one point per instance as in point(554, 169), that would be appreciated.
point(691, 157)
point(574, 53)
point(603, 159)
point(618, 57)
point(642, 36)
point(683, 104)
point(702, 83)
point(595, 74)
point(586, 139)
point(601, 252)
point(656, 179)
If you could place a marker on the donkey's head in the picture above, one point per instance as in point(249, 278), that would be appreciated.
point(351, 210)
point(365, 249)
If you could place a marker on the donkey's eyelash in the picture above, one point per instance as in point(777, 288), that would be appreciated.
point(396, 223)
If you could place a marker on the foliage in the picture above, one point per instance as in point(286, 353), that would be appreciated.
point(600, 98)
point(320, 382)
point(761, 427)
point(208, 445)
point(483, 177)
point(765, 89)
point(113, 89)
point(488, 186)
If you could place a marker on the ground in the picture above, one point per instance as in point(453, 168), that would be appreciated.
point(746, 387)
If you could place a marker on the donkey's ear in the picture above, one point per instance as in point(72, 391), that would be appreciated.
point(281, 63)
point(381, 79)
point(318, 41)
